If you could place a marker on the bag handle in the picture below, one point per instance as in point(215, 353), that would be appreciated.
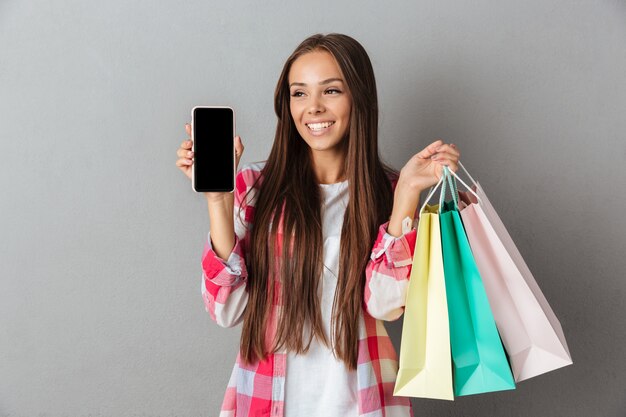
point(430, 194)
point(467, 173)
point(453, 191)
point(455, 177)
point(445, 176)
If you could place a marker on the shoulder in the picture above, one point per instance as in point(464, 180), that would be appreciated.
point(249, 175)
point(247, 183)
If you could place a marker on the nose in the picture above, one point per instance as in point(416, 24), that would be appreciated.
point(316, 105)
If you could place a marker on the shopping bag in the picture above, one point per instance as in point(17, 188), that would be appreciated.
point(480, 363)
point(530, 331)
point(425, 368)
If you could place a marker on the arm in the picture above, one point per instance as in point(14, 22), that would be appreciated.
point(388, 270)
point(224, 272)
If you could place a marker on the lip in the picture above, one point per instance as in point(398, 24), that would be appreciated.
point(321, 131)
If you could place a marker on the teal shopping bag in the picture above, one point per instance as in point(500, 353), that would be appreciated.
point(479, 362)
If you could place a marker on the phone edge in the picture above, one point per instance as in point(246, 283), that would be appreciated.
point(193, 143)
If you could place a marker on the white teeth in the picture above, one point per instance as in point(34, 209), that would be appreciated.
point(319, 126)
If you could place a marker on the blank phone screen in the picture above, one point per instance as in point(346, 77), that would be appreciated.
point(213, 143)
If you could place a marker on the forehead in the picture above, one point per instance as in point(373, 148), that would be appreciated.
point(313, 67)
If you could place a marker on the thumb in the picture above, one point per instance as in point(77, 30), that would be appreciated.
point(238, 150)
point(238, 146)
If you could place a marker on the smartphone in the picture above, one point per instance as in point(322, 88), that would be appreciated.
point(213, 136)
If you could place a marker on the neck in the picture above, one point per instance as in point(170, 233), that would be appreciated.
point(328, 167)
point(329, 170)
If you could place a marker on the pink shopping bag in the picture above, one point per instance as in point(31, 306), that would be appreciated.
point(530, 331)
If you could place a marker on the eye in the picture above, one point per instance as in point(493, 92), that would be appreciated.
point(297, 94)
point(333, 91)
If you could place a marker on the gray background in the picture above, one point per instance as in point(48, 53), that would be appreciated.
point(100, 307)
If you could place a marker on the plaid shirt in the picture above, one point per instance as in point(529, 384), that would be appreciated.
point(258, 389)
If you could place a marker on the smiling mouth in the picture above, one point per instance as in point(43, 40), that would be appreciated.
point(316, 127)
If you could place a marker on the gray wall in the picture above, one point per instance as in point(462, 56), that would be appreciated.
point(100, 308)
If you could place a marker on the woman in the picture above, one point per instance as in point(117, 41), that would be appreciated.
point(314, 282)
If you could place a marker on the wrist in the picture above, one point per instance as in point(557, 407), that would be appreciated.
point(406, 196)
point(218, 198)
point(404, 207)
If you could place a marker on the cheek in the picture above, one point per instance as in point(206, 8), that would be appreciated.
point(296, 110)
point(346, 119)
point(292, 111)
point(346, 107)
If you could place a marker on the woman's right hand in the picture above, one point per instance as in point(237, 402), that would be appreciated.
point(185, 160)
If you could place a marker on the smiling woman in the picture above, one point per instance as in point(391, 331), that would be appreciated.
point(318, 231)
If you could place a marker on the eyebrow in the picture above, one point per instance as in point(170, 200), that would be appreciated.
point(328, 81)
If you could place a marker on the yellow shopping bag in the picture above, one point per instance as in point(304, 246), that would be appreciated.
point(425, 367)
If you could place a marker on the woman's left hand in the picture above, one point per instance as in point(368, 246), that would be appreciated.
point(425, 168)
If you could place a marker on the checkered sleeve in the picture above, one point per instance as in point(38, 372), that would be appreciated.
point(388, 270)
point(223, 280)
point(387, 274)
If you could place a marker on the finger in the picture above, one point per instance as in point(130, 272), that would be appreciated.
point(449, 162)
point(188, 129)
point(457, 150)
point(430, 150)
point(186, 144)
point(438, 171)
point(238, 149)
point(238, 146)
point(445, 155)
point(453, 166)
point(184, 152)
point(183, 162)
point(448, 148)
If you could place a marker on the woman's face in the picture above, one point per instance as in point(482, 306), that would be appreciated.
point(320, 103)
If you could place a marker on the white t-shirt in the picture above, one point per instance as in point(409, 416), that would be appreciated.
point(317, 383)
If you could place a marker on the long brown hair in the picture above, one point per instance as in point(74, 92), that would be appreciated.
point(290, 189)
